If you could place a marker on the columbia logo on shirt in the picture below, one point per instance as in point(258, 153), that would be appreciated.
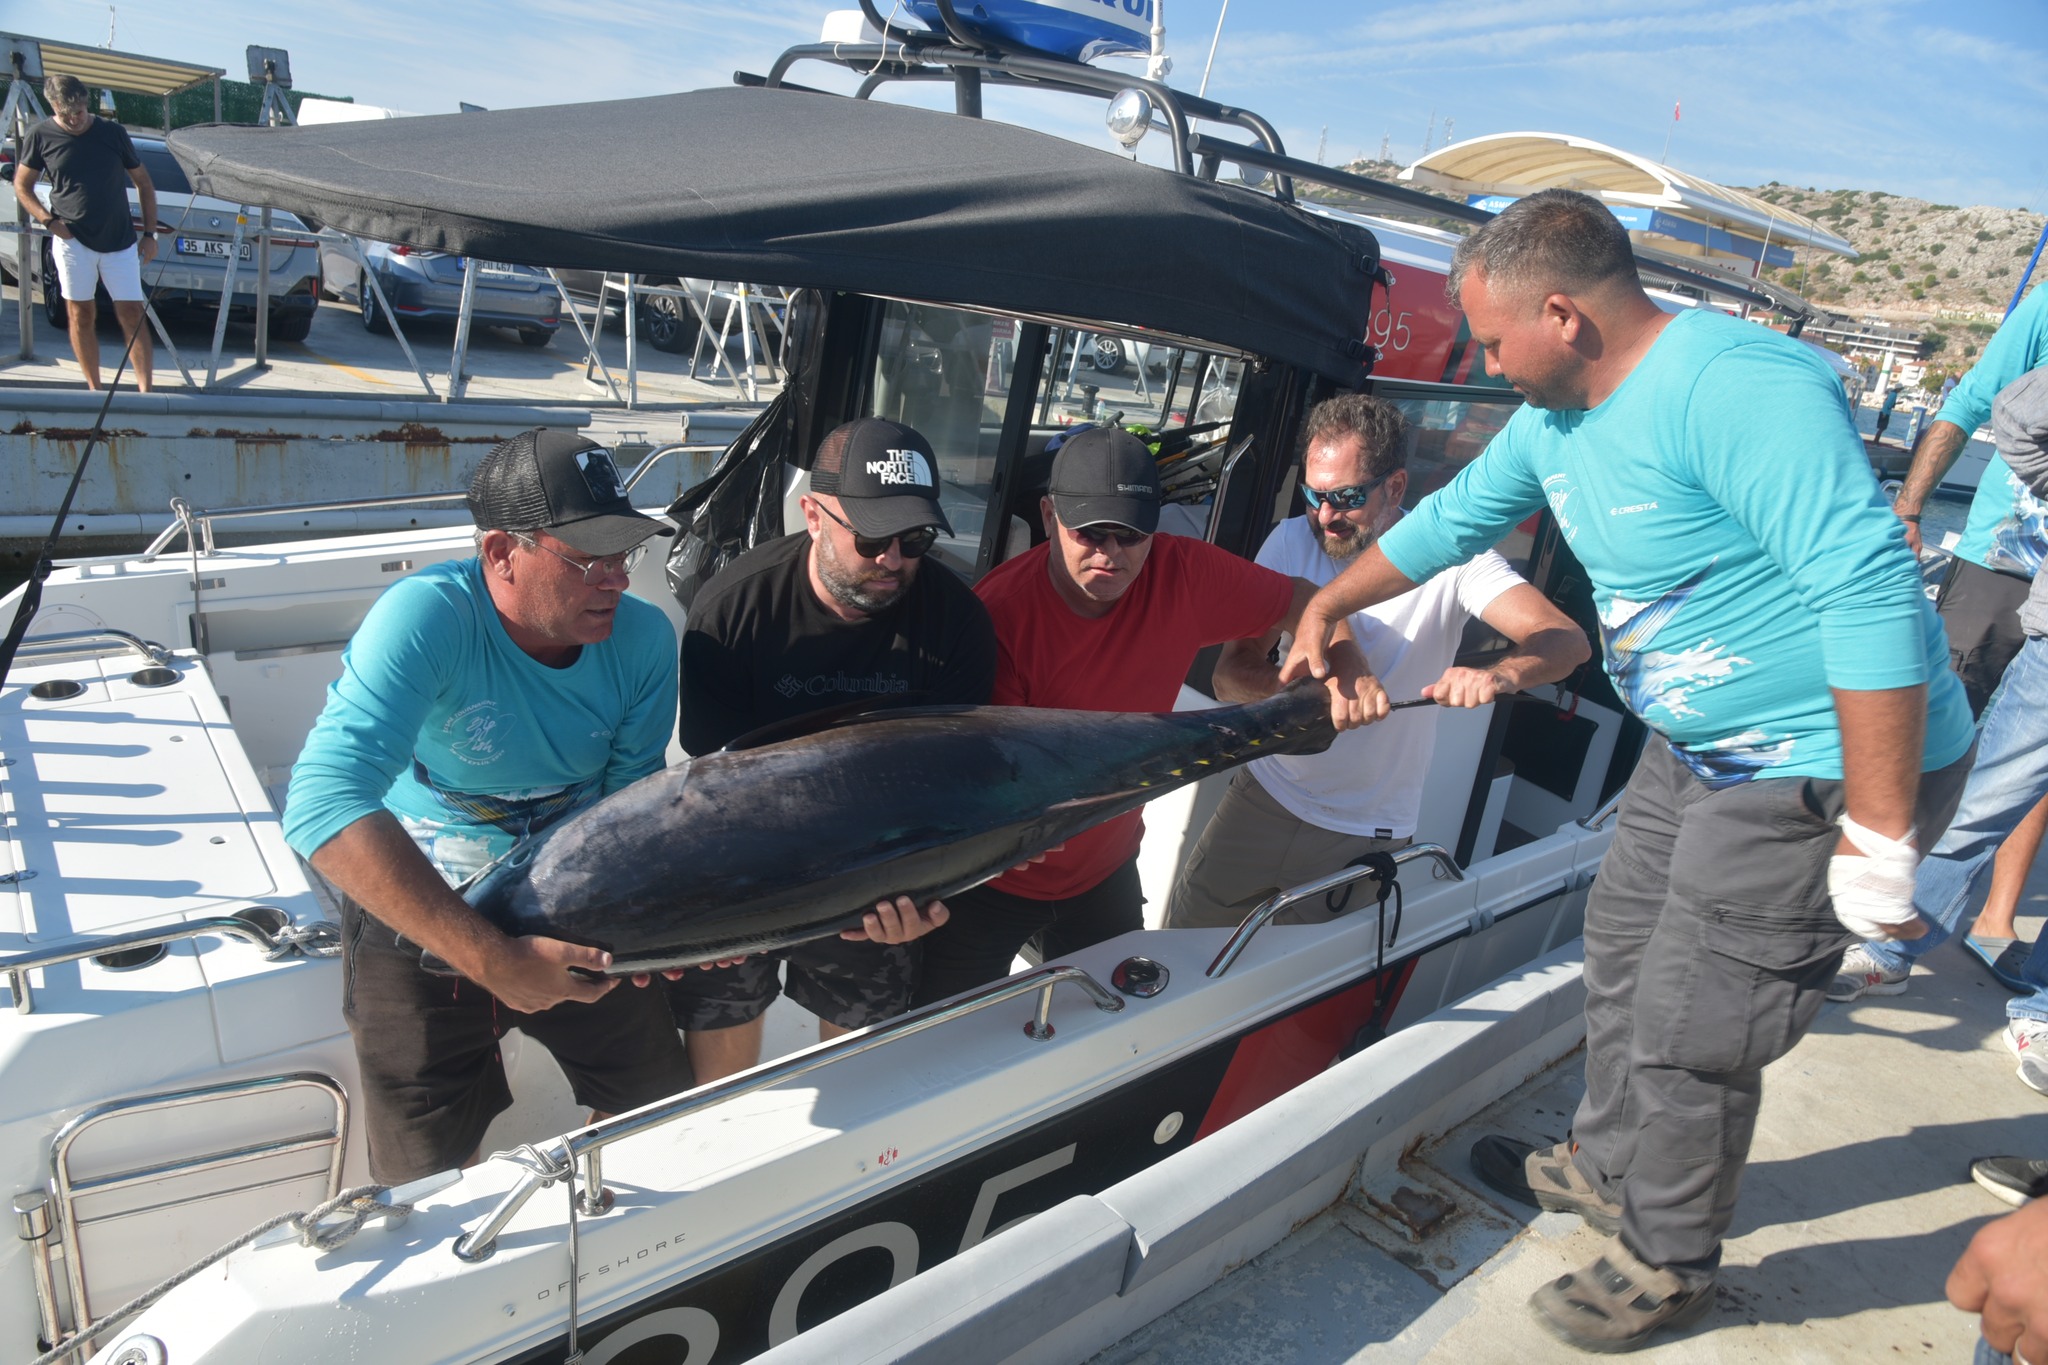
point(903, 467)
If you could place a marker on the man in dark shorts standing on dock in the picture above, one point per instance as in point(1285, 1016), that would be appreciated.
point(849, 610)
point(1107, 616)
point(1761, 616)
point(480, 702)
point(91, 162)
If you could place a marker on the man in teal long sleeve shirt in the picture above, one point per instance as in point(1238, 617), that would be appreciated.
point(481, 701)
point(2002, 545)
point(1759, 612)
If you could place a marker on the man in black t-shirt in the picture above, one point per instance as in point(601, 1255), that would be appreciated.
point(91, 162)
point(850, 609)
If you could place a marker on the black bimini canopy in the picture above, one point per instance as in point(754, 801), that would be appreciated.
point(796, 188)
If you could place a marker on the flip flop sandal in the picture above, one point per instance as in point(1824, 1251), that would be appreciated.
point(2002, 957)
point(1616, 1303)
point(1545, 1177)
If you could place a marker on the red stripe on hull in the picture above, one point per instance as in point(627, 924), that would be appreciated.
point(1272, 1061)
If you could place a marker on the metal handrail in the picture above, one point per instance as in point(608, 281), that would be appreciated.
point(1224, 477)
point(14, 970)
point(39, 645)
point(68, 1191)
point(683, 447)
point(583, 1145)
point(190, 518)
point(198, 521)
point(1605, 812)
point(1344, 876)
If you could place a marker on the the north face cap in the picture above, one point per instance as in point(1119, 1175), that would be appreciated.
point(884, 475)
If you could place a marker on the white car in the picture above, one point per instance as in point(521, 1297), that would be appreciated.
point(192, 252)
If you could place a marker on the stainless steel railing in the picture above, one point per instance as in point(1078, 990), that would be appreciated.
point(1261, 917)
point(265, 926)
point(70, 1189)
point(581, 1148)
point(38, 646)
point(196, 523)
point(1606, 811)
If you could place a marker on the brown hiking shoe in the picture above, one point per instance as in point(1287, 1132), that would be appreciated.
point(1546, 1177)
point(1618, 1302)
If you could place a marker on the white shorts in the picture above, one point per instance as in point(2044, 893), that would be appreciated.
point(79, 268)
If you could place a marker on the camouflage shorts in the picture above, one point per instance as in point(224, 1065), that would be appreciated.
point(848, 982)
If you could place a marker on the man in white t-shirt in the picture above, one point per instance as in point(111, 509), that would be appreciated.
point(1289, 819)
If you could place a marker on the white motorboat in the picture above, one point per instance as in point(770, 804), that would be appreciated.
point(175, 1069)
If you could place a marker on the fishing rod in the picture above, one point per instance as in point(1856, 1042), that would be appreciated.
point(32, 590)
point(1503, 697)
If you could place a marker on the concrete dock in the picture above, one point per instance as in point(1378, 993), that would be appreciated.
point(1856, 1203)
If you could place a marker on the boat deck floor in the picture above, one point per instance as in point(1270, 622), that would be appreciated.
point(1856, 1202)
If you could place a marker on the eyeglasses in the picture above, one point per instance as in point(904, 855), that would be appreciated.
point(594, 571)
point(1095, 537)
point(1347, 499)
point(909, 544)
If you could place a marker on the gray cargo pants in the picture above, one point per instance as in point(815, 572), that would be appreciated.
point(1711, 910)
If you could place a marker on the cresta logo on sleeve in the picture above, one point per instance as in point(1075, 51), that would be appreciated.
point(904, 467)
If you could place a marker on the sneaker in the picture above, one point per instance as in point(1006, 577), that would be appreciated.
point(1862, 974)
point(1617, 1303)
point(2028, 1039)
point(1545, 1177)
point(2015, 1179)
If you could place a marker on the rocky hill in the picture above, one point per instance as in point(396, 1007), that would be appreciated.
point(1920, 265)
point(1936, 268)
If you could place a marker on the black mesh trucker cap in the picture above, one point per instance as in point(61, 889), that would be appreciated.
point(884, 475)
point(1105, 475)
point(552, 481)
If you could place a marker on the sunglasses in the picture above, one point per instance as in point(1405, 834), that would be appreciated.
point(909, 544)
point(1095, 537)
point(594, 571)
point(1347, 499)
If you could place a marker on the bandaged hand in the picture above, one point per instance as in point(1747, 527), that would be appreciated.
point(1872, 890)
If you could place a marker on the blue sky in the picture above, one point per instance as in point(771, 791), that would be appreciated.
point(1946, 101)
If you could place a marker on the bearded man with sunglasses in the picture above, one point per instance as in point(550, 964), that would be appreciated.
point(1293, 817)
point(1108, 615)
point(480, 702)
point(850, 611)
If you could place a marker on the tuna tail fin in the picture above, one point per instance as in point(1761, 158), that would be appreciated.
point(836, 717)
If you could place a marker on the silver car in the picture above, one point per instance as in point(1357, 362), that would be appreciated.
point(192, 253)
point(428, 284)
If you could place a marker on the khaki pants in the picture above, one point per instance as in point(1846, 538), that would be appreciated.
point(1255, 847)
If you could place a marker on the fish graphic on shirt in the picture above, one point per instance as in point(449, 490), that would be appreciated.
point(2019, 542)
point(1660, 686)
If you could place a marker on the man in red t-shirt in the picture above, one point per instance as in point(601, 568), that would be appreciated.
point(1107, 616)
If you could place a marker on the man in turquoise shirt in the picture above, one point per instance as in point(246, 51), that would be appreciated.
point(481, 701)
point(2002, 545)
point(1761, 615)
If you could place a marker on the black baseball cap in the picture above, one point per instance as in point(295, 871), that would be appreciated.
point(556, 482)
point(1105, 475)
point(884, 475)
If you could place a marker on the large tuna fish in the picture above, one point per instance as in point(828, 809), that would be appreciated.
point(753, 849)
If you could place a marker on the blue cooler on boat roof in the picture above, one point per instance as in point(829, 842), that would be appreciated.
point(1076, 30)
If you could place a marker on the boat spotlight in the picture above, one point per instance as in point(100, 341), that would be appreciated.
point(1129, 117)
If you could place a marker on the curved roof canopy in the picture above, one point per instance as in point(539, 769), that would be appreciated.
point(1523, 163)
point(796, 188)
point(99, 66)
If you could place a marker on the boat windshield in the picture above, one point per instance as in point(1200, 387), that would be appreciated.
point(949, 373)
